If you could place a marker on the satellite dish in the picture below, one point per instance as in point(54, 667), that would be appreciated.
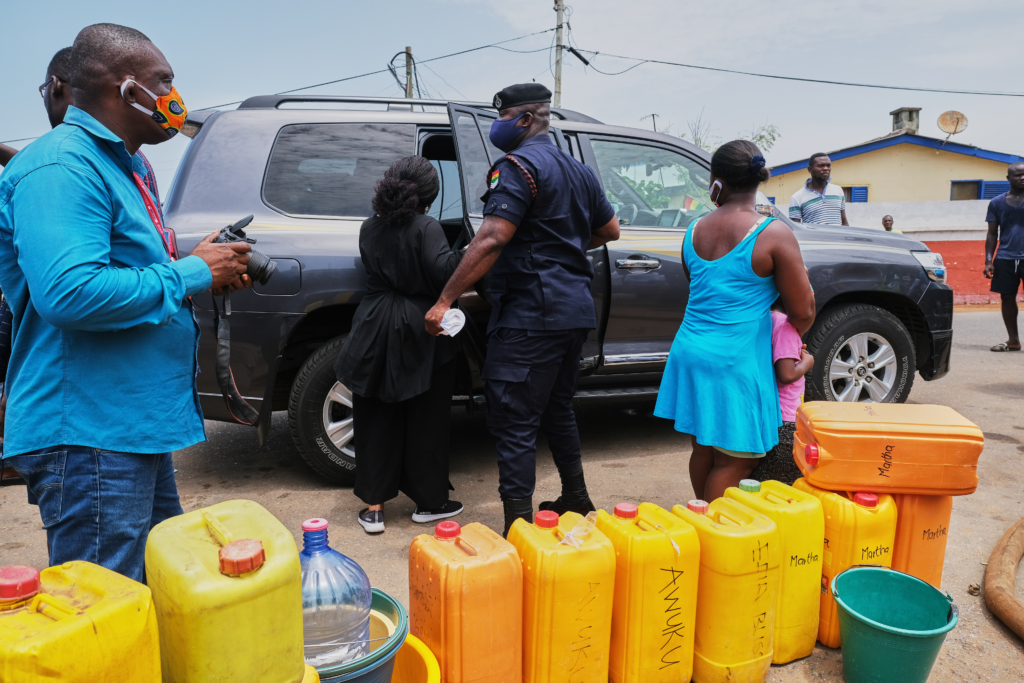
point(952, 122)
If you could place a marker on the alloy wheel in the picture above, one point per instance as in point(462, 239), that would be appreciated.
point(338, 419)
point(863, 369)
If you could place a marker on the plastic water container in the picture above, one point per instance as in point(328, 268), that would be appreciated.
point(76, 623)
point(228, 595)
point(336, 599)
point(801, 523)
point(736, 591)
point(860, 528)
point(466, 602)
point(568, 591)
point(887, 448)
point(657, 560)
point(922, 528)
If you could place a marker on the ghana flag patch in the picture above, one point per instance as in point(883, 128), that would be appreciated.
point(494, 178)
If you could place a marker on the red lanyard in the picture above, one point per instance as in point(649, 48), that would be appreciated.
point(155, 215)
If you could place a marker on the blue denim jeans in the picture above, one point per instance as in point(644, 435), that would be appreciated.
point(99, 505)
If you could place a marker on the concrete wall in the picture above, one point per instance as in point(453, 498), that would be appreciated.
point(945, 221)
point(901, 173)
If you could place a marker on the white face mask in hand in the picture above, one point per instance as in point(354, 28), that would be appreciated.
point(452, 322)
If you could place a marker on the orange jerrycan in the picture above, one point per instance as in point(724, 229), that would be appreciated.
point(568, 591)
point(887, 448)
point(922, 527)
point(860, 528)
point(736, 591)
point(466, 602)
point(657, 559)
point(227, 586)
point(76, 623)
point(801, 524)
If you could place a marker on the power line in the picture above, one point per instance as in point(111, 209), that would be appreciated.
point(643, 61)
point(374, 73)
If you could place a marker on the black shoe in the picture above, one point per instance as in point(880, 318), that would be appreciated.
point(517, 508)
point(574, 496)
point(450, 509)
point(372, 521)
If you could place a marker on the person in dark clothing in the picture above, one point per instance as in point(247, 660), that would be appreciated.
point(401, 378)
point(1006, 228)
point(543, 210)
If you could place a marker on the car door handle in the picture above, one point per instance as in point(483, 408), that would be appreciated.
point(638, 263)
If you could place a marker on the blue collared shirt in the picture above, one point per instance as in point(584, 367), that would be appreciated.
point(105, 347)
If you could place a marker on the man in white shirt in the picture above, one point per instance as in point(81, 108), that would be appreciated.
point(819, 202)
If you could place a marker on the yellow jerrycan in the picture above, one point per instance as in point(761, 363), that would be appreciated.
point(860, 528)
point(657, 558)
point(568, 591)
point(466, 602)
point(801, 523)
point(922, 528)
point(228, 592)
point(76, 623)
point(736, 591)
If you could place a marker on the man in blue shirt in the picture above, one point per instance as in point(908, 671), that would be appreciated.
point(1006, 266)
point(101, 381)
point(543, 210)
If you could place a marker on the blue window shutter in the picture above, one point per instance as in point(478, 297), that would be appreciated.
point(858, 195)
point(993, 188)
point(772, 200)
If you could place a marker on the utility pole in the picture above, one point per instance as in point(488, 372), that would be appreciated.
point(408, 72)
point(654, 120)
point(559, 18)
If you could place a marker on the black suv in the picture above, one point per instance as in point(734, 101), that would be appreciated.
point(306, 166)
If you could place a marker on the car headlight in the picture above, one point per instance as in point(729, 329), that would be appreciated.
point(932, 263)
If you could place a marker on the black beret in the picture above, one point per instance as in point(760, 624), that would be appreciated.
point(518, 95)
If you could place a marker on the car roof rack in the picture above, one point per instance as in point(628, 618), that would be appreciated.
point(394, 104)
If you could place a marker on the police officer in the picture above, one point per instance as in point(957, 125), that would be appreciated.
point(543, 211)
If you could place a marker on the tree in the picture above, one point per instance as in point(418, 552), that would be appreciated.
point(700, 134)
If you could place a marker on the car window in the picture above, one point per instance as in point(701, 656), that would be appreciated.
point(329, 169)
point(652, 186)
point(475, 163)
point(448, 204)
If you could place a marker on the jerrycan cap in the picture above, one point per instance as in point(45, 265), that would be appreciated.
point(546, 519)
point(699, 506)
point(18, 582)
point(626, 511)
point(447, 530)
point(315, 524)
point(750, 485)
point(242, 557)
point(811, 454)
point(864, 499)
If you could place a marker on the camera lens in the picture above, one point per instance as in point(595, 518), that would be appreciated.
point(260, 267)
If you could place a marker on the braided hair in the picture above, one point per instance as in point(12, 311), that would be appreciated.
point(410, 183)
point(740, 164)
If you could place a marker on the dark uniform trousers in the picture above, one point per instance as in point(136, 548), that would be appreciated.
point(531, 379)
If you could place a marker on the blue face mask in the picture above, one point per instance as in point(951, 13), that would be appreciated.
point(504, 133)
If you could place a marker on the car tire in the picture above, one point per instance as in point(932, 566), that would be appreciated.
point(861, 353)
point(320, 416)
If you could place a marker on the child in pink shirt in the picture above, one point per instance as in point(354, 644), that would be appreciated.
point(792, 362)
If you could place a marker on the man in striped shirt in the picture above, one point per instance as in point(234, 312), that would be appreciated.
point(819, 202)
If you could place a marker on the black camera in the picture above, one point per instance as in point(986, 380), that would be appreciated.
point(260, 266)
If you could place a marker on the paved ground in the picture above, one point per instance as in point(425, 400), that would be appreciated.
point(631, 457)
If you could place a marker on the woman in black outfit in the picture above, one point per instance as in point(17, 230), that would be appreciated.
point(401, 378)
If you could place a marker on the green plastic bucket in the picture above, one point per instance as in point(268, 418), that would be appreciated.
point(892, 625)
point(376, 667)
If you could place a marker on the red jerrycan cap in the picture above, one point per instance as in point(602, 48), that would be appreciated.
point(868, 500)
point(242, 557)
point(546, 519)
point(447, 530)
point(811, 454)
point(18, 582)
point(626, 511)
point(315, 524)
point(698, 506)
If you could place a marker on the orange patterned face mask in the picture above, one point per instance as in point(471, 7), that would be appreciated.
point(170, 109)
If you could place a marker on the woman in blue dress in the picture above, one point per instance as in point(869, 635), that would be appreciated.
point(719, 384)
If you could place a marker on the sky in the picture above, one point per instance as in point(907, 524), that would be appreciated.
point(223, 51)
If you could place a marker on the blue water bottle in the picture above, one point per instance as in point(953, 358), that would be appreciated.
point(335, 601)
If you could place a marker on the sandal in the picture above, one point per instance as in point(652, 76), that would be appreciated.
point(1003, 347)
